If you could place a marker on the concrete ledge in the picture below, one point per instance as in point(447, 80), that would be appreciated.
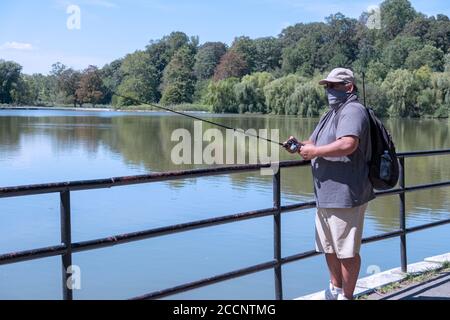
point(369, 284)
point(439, 259)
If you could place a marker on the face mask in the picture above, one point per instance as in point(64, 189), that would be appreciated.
point(336, 98)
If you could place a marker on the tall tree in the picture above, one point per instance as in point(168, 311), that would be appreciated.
point(140, 79)
point(250, 92)
point(68, 83)
point(246, 48)
point(395, 15)
point(427, 56)
point(112, 77)
point(90, 89)
point(232, 64)
point(268, 54)
point(207, 59)
point(9, 79)
point(398, 50)
point(179, 80)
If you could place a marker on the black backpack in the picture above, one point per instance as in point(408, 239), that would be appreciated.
point(383, 166)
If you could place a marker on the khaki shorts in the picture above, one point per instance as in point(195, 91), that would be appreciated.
point(340, 230)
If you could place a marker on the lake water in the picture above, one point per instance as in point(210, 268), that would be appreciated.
point(39, 146)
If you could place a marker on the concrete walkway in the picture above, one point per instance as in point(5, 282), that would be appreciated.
point(436, 289)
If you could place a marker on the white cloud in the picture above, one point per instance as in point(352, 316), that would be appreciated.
point(17, 46)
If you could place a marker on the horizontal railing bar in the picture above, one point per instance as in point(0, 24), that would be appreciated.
point(383, 236)
point(299, 256)
point(20, 256)
point(207, 281)
point(34, 189)
point(39, 253)
point(158, 232)
point(131, 237)
point(412, 188)
point(427, 186)
point(427, 226)
point(249, 270)
point(60, 249)
point(424, 153)
point(151, 233)
point(165, 176)
point(298, 206)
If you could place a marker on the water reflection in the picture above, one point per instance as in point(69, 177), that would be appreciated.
point(142, 143)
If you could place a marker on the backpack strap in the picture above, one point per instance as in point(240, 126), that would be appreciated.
point(336, 117)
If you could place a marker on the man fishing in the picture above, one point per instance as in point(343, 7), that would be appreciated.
point(339, 150)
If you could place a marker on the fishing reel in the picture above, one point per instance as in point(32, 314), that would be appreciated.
point(292, 145)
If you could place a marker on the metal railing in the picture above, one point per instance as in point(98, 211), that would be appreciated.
point(67, 248)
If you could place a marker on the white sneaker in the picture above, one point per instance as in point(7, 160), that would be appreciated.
point(332, 293)
point(341, 297)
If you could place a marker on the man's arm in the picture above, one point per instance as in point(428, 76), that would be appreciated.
point(339, 148)
point(306, 142)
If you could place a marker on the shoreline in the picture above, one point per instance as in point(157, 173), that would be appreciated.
point(99, 109)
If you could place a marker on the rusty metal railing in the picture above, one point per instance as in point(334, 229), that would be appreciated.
point(66, 248)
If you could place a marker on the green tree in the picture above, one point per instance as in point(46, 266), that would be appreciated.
point(427, 56)
point(278, 94)
point(207, 58)
point(10, 73)
point(250, 92)
point(419, 27)
point(401, 87)
point(440, 86)
point(341, 47)
point(112, 76)
point(376, 72)
point(307, 100)
point(447, 62)
point(268, 54)
point(395, 15)
point(246, 48)
point(232, 65)
point(438, 33)
point(179, 80)
point(398, 50)
point(90, 89)
point(160, 53)
point(302, 58)
point(140, 79)
point(68, 83)
point(221, 96)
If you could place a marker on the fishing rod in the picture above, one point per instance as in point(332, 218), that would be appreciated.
point(292, 144)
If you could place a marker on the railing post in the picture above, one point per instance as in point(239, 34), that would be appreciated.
point(66, 239)
point(277, 234)
point(404, 260)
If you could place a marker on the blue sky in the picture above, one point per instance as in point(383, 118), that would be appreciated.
point(35, 33)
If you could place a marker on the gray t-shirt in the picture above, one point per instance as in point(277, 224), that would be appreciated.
point(343, 182)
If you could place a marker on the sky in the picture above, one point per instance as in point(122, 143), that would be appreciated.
point(78, 33)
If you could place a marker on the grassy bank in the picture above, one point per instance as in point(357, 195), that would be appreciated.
point(411, 278)
point(179, 107)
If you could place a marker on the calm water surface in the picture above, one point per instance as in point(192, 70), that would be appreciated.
point(39, 146)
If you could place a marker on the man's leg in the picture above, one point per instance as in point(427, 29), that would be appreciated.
point(334, 265)
point(350, 272)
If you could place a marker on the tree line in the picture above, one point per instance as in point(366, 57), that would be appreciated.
point(406, 63)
